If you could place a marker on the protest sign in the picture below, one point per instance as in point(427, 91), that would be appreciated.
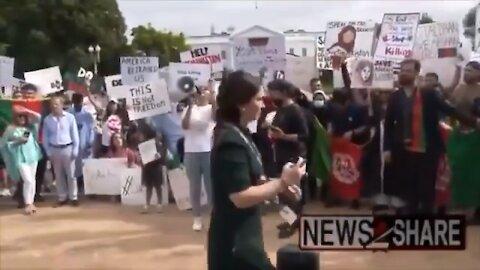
point(210, 55)
point(397, 36)
point(15, 86)
point(103, 176)
point(322, 60)
point(300, 70)
point(198, 72)
point(262, 57)
point(181, 189)
point(48, 80)
point(132, 191)
point(148, 151)
point(6, 71)
point(383, 76)
point(148, 99)
point(477, 29)
point(115, 87)
point(436, 40)
point(362, 70)
point(349, 38)
point(138, 70)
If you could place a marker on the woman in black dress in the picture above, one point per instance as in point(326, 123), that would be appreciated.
point(235, 240)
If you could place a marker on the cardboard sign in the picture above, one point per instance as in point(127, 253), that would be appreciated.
point(148, 151)
point(138, 70)
point(115, 87)
point(210, 55)
point(103, 176)
point(148, 99)
point(397, 36)
point(6, 71)
point(198, 72)
point(48, 80)
point(180, 186)
point(436, 40)
point(260, 56)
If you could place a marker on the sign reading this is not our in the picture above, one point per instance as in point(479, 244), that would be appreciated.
point(148, 99)
point(138, 70)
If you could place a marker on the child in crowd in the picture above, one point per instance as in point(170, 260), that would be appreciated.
point(152, 175)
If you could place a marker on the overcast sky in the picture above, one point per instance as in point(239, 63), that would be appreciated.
point(196, 17)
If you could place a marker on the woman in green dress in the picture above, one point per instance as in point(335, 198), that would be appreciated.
point(235, 236)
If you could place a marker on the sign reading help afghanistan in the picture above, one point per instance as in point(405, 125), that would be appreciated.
point(138, 70)
point(436, 40)
point(148, 99)
point(211, 55)
point(48, 80)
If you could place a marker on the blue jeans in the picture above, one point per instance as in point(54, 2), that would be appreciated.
point(197, 166)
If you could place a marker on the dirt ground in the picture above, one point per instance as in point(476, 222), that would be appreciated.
point(101, 235)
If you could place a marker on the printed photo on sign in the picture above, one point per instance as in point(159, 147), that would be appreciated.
point(397, 36)
point(148, 99)
point(48, 80)
point(115, 87)
point(350, 38)
point(260, 56)
point(6, 70)
point(184, 75)
point(362, 73)
point(209, 55)
point(138, 70)
point(436, 40)
point(103, 176)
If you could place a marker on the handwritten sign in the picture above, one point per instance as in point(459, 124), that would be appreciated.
point(148, 99)
point(260, 56)
point(181, 189)
point(350, 38)
point(103, 176)
point(48, 80)
point(148, 151)
point(133, 193)
point(210, 55)
point(115, 87)
point(436, 40)
point(397, 36)
point(138, 70)
point(383, 76)
point(6, 70)
point(300, 70)
point(16, 86)
point(198, 72)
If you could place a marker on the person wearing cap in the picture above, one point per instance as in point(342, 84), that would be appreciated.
point(413, 142)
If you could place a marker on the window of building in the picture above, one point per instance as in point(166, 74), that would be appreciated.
point(304, 51)
point(224, 54)
point(291, 51)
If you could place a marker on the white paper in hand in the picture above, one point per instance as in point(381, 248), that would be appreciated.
point(288, 215)
point(148, 151)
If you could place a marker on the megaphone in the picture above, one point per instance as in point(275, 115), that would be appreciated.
point(186, 85)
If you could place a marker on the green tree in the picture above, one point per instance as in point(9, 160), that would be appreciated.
point(469, 25)
point(40, 34)
point(425, 18)
point(167, 46)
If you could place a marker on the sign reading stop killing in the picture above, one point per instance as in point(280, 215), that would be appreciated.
point(138, 70)
point(148, 99)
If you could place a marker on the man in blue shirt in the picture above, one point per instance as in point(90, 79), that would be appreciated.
point(61, 143)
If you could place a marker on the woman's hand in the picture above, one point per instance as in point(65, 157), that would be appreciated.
point(292, 173)
point(21, 140)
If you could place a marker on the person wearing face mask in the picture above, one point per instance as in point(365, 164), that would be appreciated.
point(319, 107)
point(413, 142)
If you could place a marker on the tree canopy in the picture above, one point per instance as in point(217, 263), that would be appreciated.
point(166, 45)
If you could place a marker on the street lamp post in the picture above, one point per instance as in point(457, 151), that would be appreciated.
point(95, 53)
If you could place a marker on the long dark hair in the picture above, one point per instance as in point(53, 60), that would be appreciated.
point(236, 89)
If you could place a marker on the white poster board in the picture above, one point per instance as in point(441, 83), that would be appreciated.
point(300, 70)
point(383, 77)
point(103, 176)
point(132, 191)
point(6, 71)
point(148, 99)
point(115, 87)
point(180, 186)
point(138, 70)
point(209, 55)
point(148, 151)
point(360, 33)
point(477, 30)
point(262, 57)
point(48, 80)
point(436, 40)
point(198, 72)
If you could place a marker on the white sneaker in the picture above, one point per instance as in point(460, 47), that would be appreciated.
point(159, 208)
point(197, 224)
point(5, 192)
